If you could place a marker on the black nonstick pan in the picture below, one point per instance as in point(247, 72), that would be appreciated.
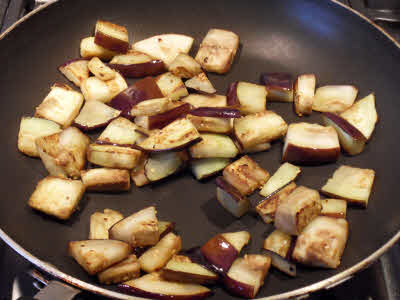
point(307, 36)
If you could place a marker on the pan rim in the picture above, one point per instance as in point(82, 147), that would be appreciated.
point(323, 284)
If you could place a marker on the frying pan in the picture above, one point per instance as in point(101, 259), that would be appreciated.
point(322, 37)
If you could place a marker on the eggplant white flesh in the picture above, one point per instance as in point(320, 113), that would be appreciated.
point(111, 156)
point(89, 49)
point(304, 91)
point(278, 242)
point(211, 124)
point(122, 132)
point(205, 167)
point(200, 100)
point(322, 242)
point(171, 86)
point(75, 70)
point(127, 269)
point(106, 179)
point(334, 98)
point(101, 222)
point(153, 107)
point(200, 83)
point(214, 145)
point(184, 66)
point(351, 184)
point(100, 70)
point(231, 199)
point(161, 165)
point(297, 210)
point(95, 114)
point(285, 174)
point(335, 208)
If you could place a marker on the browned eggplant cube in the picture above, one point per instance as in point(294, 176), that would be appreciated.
point(245, 175)
point(304, 91)
point(217, 50)
point(297, 210)
point(278, 242)
point(61, 105)
point(335, 208)
point(121, 131)
point(199, 100)
point(206, 167)
point(351, 184)
point(101, 222)
point(250, 98)
point(171, 86)
point(322, 242)
point(231, 199)
point(100, 69)
point(75, 70)
point(334, 98)
point(214, 145)
point(104, 179)
point(110, 156)
point(125, 270)
point(95, 89)
point(58, 197)
point(111, 36)
point(64, 153)
point(184, 66)
point(201, 84)
point(211, 124)
point(89, 49)
point(283, 176)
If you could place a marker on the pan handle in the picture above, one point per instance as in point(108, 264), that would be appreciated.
point(51, 289)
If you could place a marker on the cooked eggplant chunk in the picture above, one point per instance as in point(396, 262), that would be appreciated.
point(200, 83)
point(199, 100)
point(211, 124)
point(284, 175)
point(279, 86)
point(95, 89)
point(61, 105)
point(231, 199)
point(111, 36)
point(58, 197)
point(162, 165)
point(250, 98)
point(334, 98)
point(217, 50)
point(127, 269)
point(304, 91)
point(110, 156)
point(278, 242)
point(245, 175)
point(104, 179)
point(171, 86)
point(75, 70)
point(322, 242)
point(95, 114)
point(205, 167)
point(335, 208)
point(101, 222)
point(297, 210)
point(122, 132)
point(100, 70)
point(89, 49)
point(184, 66)
point(214, 145)
point(351, 184)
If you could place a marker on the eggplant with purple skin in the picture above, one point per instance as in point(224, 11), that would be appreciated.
point(211, 124)
point(163, 119)
point(111, 36)
point(310, 144)
point(142, 90)
point(121, 132)
point(279, 86)
point(155, 287)
point(350, 138)
point(248, 97)
point(75, 70)
point(135, 64)
point(216, 112)
point(200, 83)
point(95, 114)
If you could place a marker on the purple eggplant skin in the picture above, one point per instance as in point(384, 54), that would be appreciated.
point(345, 126)
point(174, 149)
point(150, 68)
point(231, 95)
point(142, 90)
point(216, 112)
point(163, 119)
point(111, 43)
point(277, 80)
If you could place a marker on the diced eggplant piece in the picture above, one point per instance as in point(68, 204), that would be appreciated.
point(231, 199)
point(184, 66)
point(64, 153)
point(259, 128)
point(217, 50)
point(279, 86)
point(267, 207)
point(351, 184)
point(121, 132)
point(205, 167)
point(97, 255)
point(61, 105)
point(335, 208)
point(216, 112)
point(32, 128)
point(139, 229)
point(171, 86)
point(214, 145)
point(211, 124)
point(249, 97)
point(106, 180)
point(75, 70)
point(245, 175)
point(90, 49)
point(278, 242)
point(297, 210)
point(110, 156)
point(157, 257)
point(222, 249)
point(350, 138)
point(199, 100)
point(127, 269)
point(138, 174)
point(163, 119)
point(247, 274)
point(362, 115)
point(95, 114)
point(322, 242)
point(94, 88)
point(334, 98)
point(181, 269)
point(256, 148)
point(111, 36)
point(153, 107)
point(161, 165)
point(200, 83)
point(100, 70)
point(165, 46)
point(165, 227)
point(155, 287)
point(144, 89)
point(304, 91)
point(135, 64)
point(58, 197)
point(176, 136)
point(284, 175)
point(307, 143)
point(101, 222)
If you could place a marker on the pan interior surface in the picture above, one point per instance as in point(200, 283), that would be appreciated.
point(292, 36)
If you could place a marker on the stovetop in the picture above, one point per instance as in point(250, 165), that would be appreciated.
point(379, 282)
